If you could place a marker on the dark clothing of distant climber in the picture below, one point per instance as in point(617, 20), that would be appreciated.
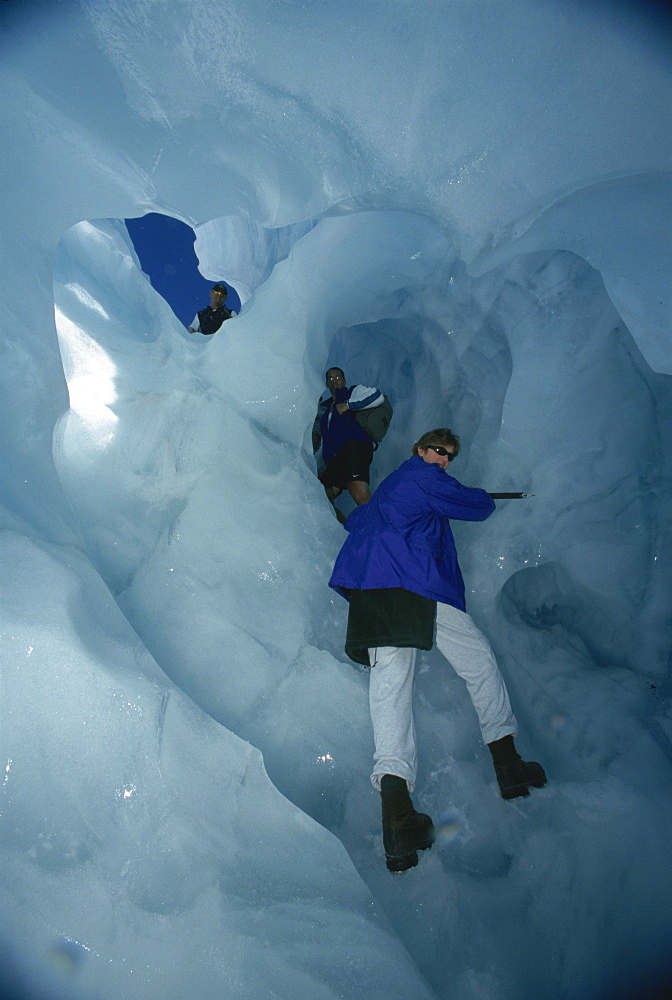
point(209, 320)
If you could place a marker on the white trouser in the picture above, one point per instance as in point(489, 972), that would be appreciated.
point(391, 692)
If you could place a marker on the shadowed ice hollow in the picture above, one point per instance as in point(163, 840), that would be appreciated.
point(468, 205)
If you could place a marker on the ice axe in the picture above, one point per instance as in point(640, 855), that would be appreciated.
point(511, 496)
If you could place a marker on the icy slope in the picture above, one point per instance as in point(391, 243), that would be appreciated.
point(476, 197)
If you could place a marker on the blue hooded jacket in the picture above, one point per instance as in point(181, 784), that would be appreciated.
point(402, 536)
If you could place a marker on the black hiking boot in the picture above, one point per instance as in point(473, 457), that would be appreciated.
point(514, 775)
point(405, 831)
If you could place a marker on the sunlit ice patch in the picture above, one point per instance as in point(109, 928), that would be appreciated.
point(448, 828)
point(67, 955)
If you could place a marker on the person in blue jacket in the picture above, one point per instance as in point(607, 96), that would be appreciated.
point(347, 449)
point(398, 569)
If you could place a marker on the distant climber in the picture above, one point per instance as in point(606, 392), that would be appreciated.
point(398, 569)
point(209, 320)
point(347, 448)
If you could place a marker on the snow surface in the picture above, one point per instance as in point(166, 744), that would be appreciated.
point(467, 204)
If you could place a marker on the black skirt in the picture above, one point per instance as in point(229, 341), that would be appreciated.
point(388, 616)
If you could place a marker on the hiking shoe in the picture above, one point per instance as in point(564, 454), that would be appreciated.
point(402, 840)
point(514, 777)
point(405, 831)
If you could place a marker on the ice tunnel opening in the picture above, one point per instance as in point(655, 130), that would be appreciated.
point(532, 366)
point(510, 360)
point(165, 248)
point(513, 361)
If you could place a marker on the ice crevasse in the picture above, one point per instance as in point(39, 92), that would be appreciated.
point(467, 204)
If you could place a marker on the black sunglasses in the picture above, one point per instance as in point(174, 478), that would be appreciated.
point(450, 455)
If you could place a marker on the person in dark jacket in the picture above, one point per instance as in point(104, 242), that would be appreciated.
point(398, 568)
point(209, 320)
point(346, 447)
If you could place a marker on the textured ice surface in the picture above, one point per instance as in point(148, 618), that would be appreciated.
point(464, 204)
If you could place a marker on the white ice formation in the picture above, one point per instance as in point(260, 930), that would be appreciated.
point(467, 203)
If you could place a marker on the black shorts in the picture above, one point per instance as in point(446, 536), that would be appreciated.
point(351, 463)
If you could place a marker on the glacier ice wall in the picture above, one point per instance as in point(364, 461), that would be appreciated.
point(476, 220)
